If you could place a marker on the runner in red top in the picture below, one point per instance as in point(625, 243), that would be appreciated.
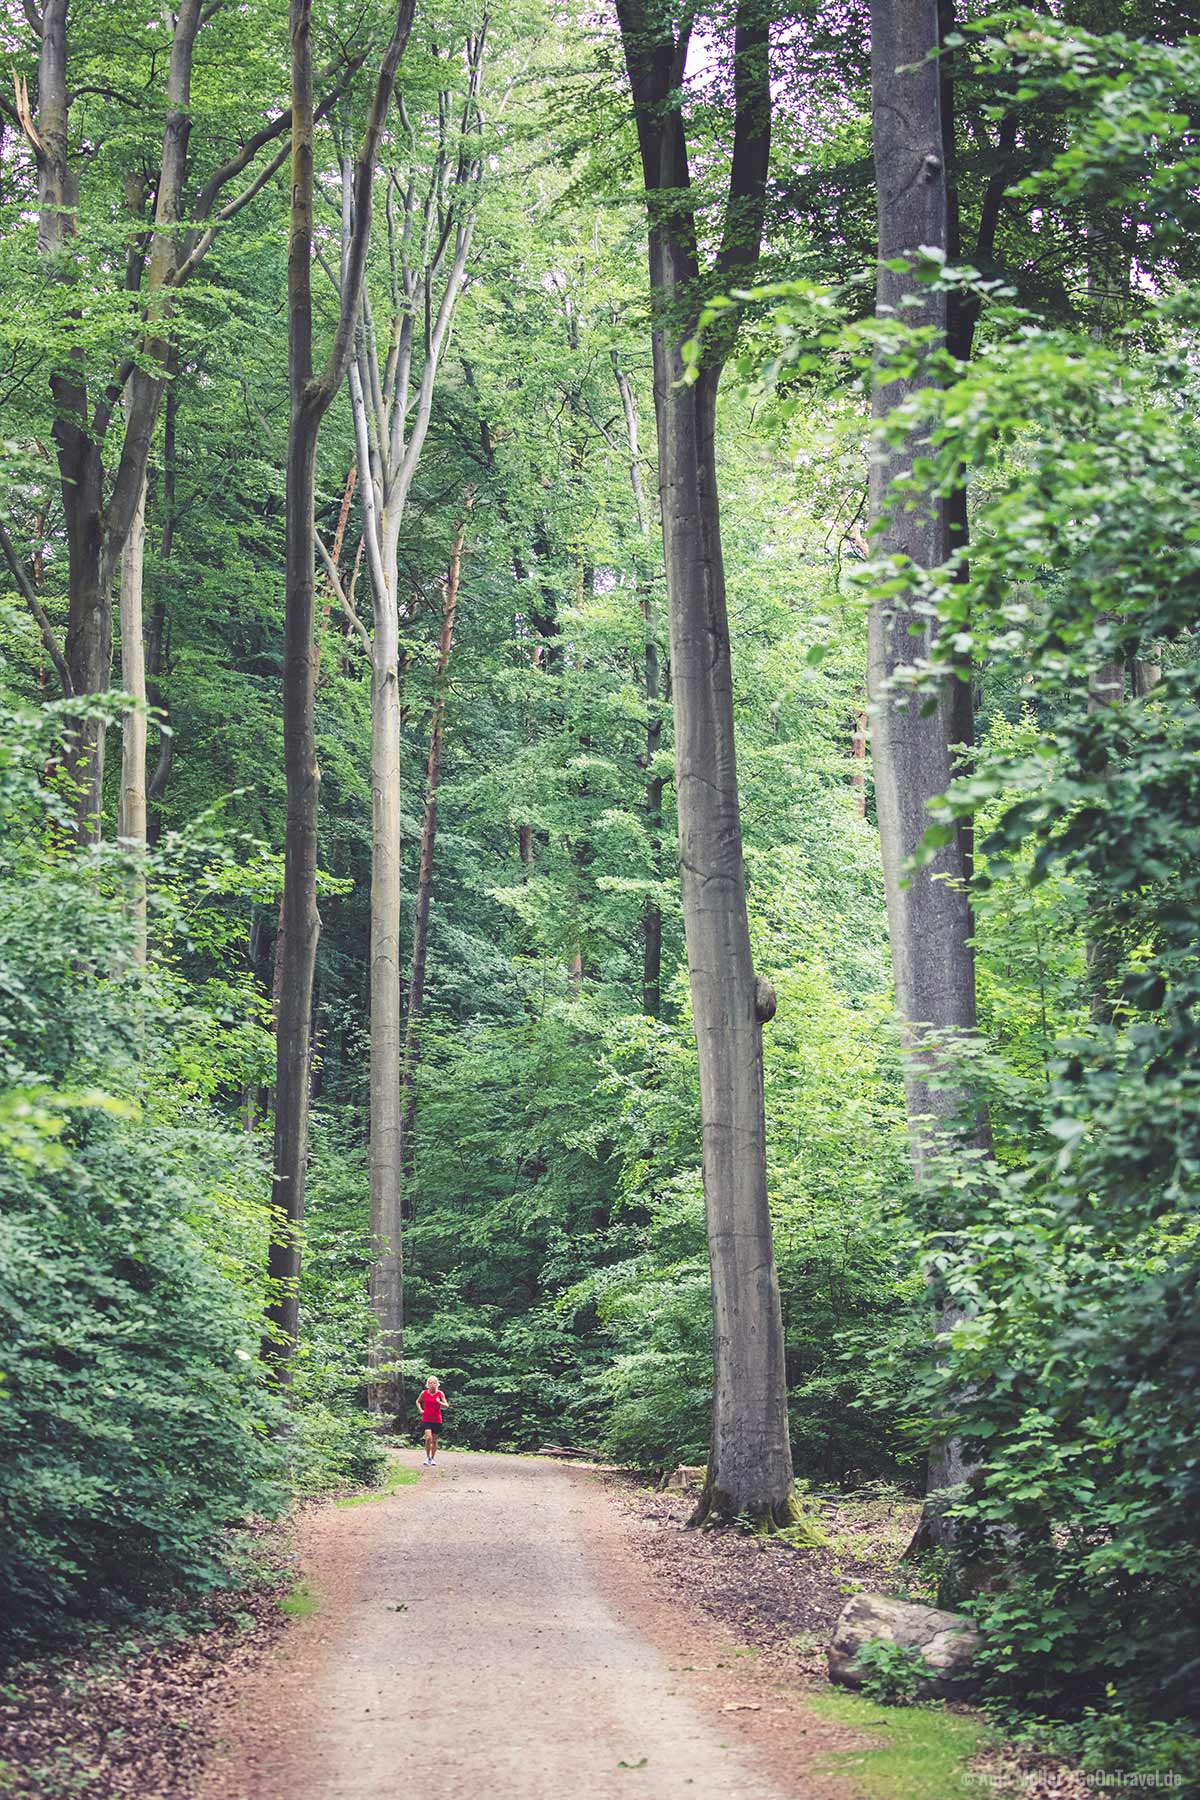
point(432, 1402)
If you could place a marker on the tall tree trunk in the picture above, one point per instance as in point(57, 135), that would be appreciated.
point(391, 404)
point(386, 1171)
point(652, 911)
point(156, 644)
point(929, 912)
point(89, 620)
point(1106, 689)
point(433, 777)
point(929, 915)
point(300, 923)
point(750, 1464)
point(310, 400)
point(131, 826)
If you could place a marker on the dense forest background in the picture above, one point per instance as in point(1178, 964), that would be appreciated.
point(555, 1264)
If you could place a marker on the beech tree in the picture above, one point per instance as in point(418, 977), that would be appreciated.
point(914, 740)
point(750, 1465)
point(311, 396)
point(431, 184)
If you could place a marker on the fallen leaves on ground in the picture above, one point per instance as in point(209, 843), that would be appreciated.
point(120, 1714)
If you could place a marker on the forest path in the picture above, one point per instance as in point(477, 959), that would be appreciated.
point(467, 1640)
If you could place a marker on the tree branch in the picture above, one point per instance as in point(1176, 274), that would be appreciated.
point(203, 243)
point(335, 582)
point(29, 595)
point(746, 205)
point(324, 389)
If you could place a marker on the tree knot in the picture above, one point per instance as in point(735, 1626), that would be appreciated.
point(764, 999)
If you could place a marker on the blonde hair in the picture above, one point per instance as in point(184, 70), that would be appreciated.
point(433, 1382)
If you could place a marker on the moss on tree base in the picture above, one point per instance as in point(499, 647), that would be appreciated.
point(783, 1519)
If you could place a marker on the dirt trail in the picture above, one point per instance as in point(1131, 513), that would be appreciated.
point(467, 1641)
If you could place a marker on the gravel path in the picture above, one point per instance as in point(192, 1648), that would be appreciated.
point(466, 1642)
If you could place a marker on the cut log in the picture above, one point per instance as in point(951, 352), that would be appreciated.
point(947, 1641)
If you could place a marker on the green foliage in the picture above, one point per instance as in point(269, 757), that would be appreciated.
point(134, 1427)
point(890, 1673)
point(1162, 1753)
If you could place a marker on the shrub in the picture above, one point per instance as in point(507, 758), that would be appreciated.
point(890, 1673)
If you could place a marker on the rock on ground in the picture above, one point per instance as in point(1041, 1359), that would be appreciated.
point(946, 1641)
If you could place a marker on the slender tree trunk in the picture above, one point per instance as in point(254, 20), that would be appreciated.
point(1106, 689)
point(652, 911)
point(299, 924)
point(89, 635)
point(387, 1292)
point(335, 557)
point(750, 1466)
point(131, 826)
point(300, 927)
point(929, 915)
point(433, 777)
point(156, 644)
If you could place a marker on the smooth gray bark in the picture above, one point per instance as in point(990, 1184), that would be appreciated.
point(652, 911)
point(424, 898)
point(131, 820)
point(430, 219)
point(912, 749)
point(929, 913)
point(750, 1465)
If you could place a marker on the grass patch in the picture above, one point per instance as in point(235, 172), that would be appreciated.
point(300, 1603)
point(922, 1752)
point(398, 1476)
